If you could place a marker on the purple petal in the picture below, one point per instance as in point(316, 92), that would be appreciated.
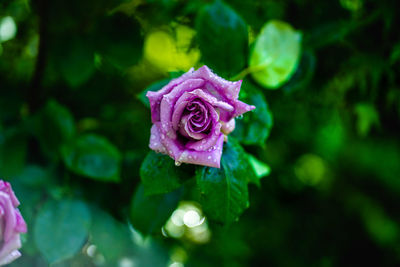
point(241, 108)
point(155, 97)
point(9, 250)
point(212, 100)
point(212, 137)
point(6, 188)
point(155, 139)
point(226, 88)
point(173, 147)
point(211, 157)
point(188, 132)
point(9, 217)
point(21, 224)
point(169, 100)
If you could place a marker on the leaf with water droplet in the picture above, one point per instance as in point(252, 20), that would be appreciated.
point(224, 191)
point(255, 126)
point(160, 174)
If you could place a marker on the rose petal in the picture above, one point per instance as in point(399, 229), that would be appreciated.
point(21, 224)
point(155, 139)
point(199, 127)
point(169, 100)
point(185, 99)
point(211, 158)
point(212, 100)
point(6, 188)
point(9, 217)
point(155, 97)
point(211, 138)
point(241, 108)
point(187, 132)
point(173, 147)
point(9, 250)
point(180, 107)
point(223, 87)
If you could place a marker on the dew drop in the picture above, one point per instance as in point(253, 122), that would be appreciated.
point(209, 157)
point(240, 117)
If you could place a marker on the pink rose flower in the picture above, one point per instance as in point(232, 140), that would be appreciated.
point(193, 114)
point(11, 224)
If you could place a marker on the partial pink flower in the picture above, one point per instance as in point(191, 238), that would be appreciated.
point(11, 224)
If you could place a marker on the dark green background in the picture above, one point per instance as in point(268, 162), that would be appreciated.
point(73, 132)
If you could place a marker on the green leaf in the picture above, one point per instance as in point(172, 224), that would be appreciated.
point(111, 237)
point(395, 55)
point(160, 175)
point(13, 148)
point(223, 38)
point(53, 126)
point(254, 127)
point(328, 33)
point(304, 73)
point(75, 61)
point(119, 40)
point(149, 213)
point(94, 157)
point(175, 74)
point(367, 117)
point(275, 55)
point(223, 192)
point(34, 176)
point(153, 87)
point(260, 168)
point(61, 229)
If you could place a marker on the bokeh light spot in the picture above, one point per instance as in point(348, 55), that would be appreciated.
point(8, 29)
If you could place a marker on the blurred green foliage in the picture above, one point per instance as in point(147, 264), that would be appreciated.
point(75, 126)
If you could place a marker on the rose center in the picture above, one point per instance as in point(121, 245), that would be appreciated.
point(195, 121)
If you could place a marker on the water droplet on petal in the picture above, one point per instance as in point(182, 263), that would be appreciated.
point(178, 163)
point(240, 117)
